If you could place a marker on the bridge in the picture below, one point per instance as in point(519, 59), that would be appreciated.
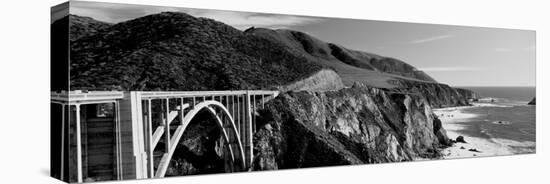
point(114, 135)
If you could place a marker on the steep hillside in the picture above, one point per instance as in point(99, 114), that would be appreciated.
point(350, 126)
point(80, 26)
point(176, 51)
point(353, 66)
point(378, 63)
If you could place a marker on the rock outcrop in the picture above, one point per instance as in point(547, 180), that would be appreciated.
point(532, 102)
point(468, 94)
point(350, 126)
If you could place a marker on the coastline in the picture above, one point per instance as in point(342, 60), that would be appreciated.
point(454, 119)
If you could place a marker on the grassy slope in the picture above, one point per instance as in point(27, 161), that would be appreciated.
point(354, 68)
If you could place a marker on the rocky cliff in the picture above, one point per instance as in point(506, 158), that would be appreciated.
point(436, 94)
point(468, 94)
point(350, 126)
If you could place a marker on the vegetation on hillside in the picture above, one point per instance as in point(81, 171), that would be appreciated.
point(176, 51)
point(84, 26)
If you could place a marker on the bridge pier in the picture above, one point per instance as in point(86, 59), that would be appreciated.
point(149, 138)
point(132, 140)
point(249, 134)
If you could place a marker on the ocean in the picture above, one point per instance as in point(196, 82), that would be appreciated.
point(514, 94)
point(502, 117)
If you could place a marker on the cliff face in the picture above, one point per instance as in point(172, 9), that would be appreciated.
point(468, 94)
point(436, 94)
point(350, 126)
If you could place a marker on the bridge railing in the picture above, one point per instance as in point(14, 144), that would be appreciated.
point(177, 94)
point(79, 97)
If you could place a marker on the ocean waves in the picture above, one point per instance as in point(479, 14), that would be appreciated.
point(489, 129)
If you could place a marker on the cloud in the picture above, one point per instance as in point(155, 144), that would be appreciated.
point(430, 39)
point(502, 49)
point(111, 12)
point(114, 13)
point(244, 20)
point(450, 69)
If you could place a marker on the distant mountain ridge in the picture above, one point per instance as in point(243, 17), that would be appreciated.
point(352, 65)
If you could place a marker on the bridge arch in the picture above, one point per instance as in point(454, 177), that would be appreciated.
point(225, 122)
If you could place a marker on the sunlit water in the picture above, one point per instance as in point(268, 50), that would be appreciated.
point(504, 118)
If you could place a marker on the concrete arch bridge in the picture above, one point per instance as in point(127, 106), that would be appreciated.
point(112, 135)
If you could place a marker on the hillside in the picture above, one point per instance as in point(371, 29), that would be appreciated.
point(353, 66)
point(199, 54)
point(176, 51)
point(84, 26)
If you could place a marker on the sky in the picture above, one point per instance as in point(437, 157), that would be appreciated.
point(455, 55)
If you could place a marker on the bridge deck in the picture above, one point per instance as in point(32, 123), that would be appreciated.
point(98, 96)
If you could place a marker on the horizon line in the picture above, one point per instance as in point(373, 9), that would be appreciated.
point(488, 86)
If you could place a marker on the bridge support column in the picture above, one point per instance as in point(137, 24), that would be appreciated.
point(149, 134)
point(62, 166)
point(134, 157)
point(249, 148)
point(78, 145)
point(167, 125)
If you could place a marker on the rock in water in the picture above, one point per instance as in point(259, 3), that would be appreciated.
point(460, 139)
point(474, 150)
point(532, 102)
